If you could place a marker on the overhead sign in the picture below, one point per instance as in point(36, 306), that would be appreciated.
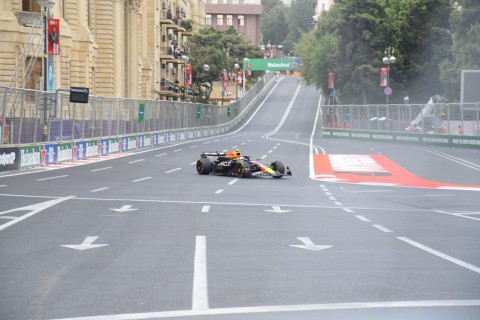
point(269, 64)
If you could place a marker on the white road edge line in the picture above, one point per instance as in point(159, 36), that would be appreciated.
point(286, 308)
point(200, 285)
point(441, 255)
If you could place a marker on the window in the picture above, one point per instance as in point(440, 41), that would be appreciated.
point(229, 20)
point(220, 20)
point(208, 19)
point(241, 20)
point(31, 6)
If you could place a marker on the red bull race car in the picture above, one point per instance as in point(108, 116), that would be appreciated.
point(232, 164)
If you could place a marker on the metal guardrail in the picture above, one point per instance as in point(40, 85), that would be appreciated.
point(31, 116)
point(430, 118)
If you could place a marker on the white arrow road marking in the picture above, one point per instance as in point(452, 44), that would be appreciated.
point(85, 245)
point(34, 208)
point(278, 210)
point(309, 245)
point(124, 208)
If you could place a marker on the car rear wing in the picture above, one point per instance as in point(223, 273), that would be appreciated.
point(213, 154)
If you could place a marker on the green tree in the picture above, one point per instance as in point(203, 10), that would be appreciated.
point(465, 27)
point(220, 51)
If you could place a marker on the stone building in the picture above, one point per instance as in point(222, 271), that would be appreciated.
point(116, 48)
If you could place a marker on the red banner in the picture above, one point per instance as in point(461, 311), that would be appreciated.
point(331, 80)
point(188, 75)
point(383, 77)
point(239, 77)
point(249, 69)
point(53, 36)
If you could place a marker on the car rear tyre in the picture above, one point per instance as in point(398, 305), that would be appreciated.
point(242, 169)
point(204, 166)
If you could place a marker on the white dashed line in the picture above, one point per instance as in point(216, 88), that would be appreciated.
point(134, 161)
point(177, 150)
point(160, 155)
point(382, 228)
point(233, 181)
point(338, 203)
point(332, 198)
point(205, 208)
point(219, 191)
point(100, 189)
point(66, 175)
point(362, 218)
point(95, 170)
point(173, 170)
point(348, 210)
point(141, 179)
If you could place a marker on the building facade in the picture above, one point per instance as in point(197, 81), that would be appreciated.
point(116, 48)
point(243, 15)
point(320, 6)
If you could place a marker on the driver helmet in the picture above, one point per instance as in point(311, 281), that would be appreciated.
point(237, 152)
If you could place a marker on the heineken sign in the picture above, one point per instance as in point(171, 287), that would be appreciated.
point(269, 64)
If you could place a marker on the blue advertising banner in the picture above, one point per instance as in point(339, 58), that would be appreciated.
point(79, 150)
point(49, 154)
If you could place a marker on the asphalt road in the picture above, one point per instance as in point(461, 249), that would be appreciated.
point(146, 237)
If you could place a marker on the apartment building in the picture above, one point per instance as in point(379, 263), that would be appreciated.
point(243, 15)
point(116, 48)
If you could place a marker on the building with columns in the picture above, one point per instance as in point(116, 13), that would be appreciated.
point(116, 48)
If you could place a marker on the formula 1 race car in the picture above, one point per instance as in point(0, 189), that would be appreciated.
point(219, 164)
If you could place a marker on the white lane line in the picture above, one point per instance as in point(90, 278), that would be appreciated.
point(141, 179)
point(160, 155)
point(173, 170)
point(100, 189)
point(3, 185)
point(233, 181)
point(200, 285)
point(177, 150)
point(264, 156)
point(332, 198)
point(328, 193)
point(106, 168)
point(43, 179)
point(286, 308)
point(362, 218)
point(461, 215)
point(348, 210)
point(194, 146)
point(219, 191)
point(205, 208)
point(270, 151)
point(193, 163)
point(441, 255)
point(135, 161)
point(338, 203)
point(208, 142)
point(382, 228)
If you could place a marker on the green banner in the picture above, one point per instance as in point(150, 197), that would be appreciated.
point(141, 112)
point(269, 64)
point(30, 156)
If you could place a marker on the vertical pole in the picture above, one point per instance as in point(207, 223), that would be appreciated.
point(388, 78)
point(45, 73)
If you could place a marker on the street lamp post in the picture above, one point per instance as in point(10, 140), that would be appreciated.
point(388, 59)
point(185, 61)
point(46, 5)
point(245, 61)
point(237, 66)
point(206, 68)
